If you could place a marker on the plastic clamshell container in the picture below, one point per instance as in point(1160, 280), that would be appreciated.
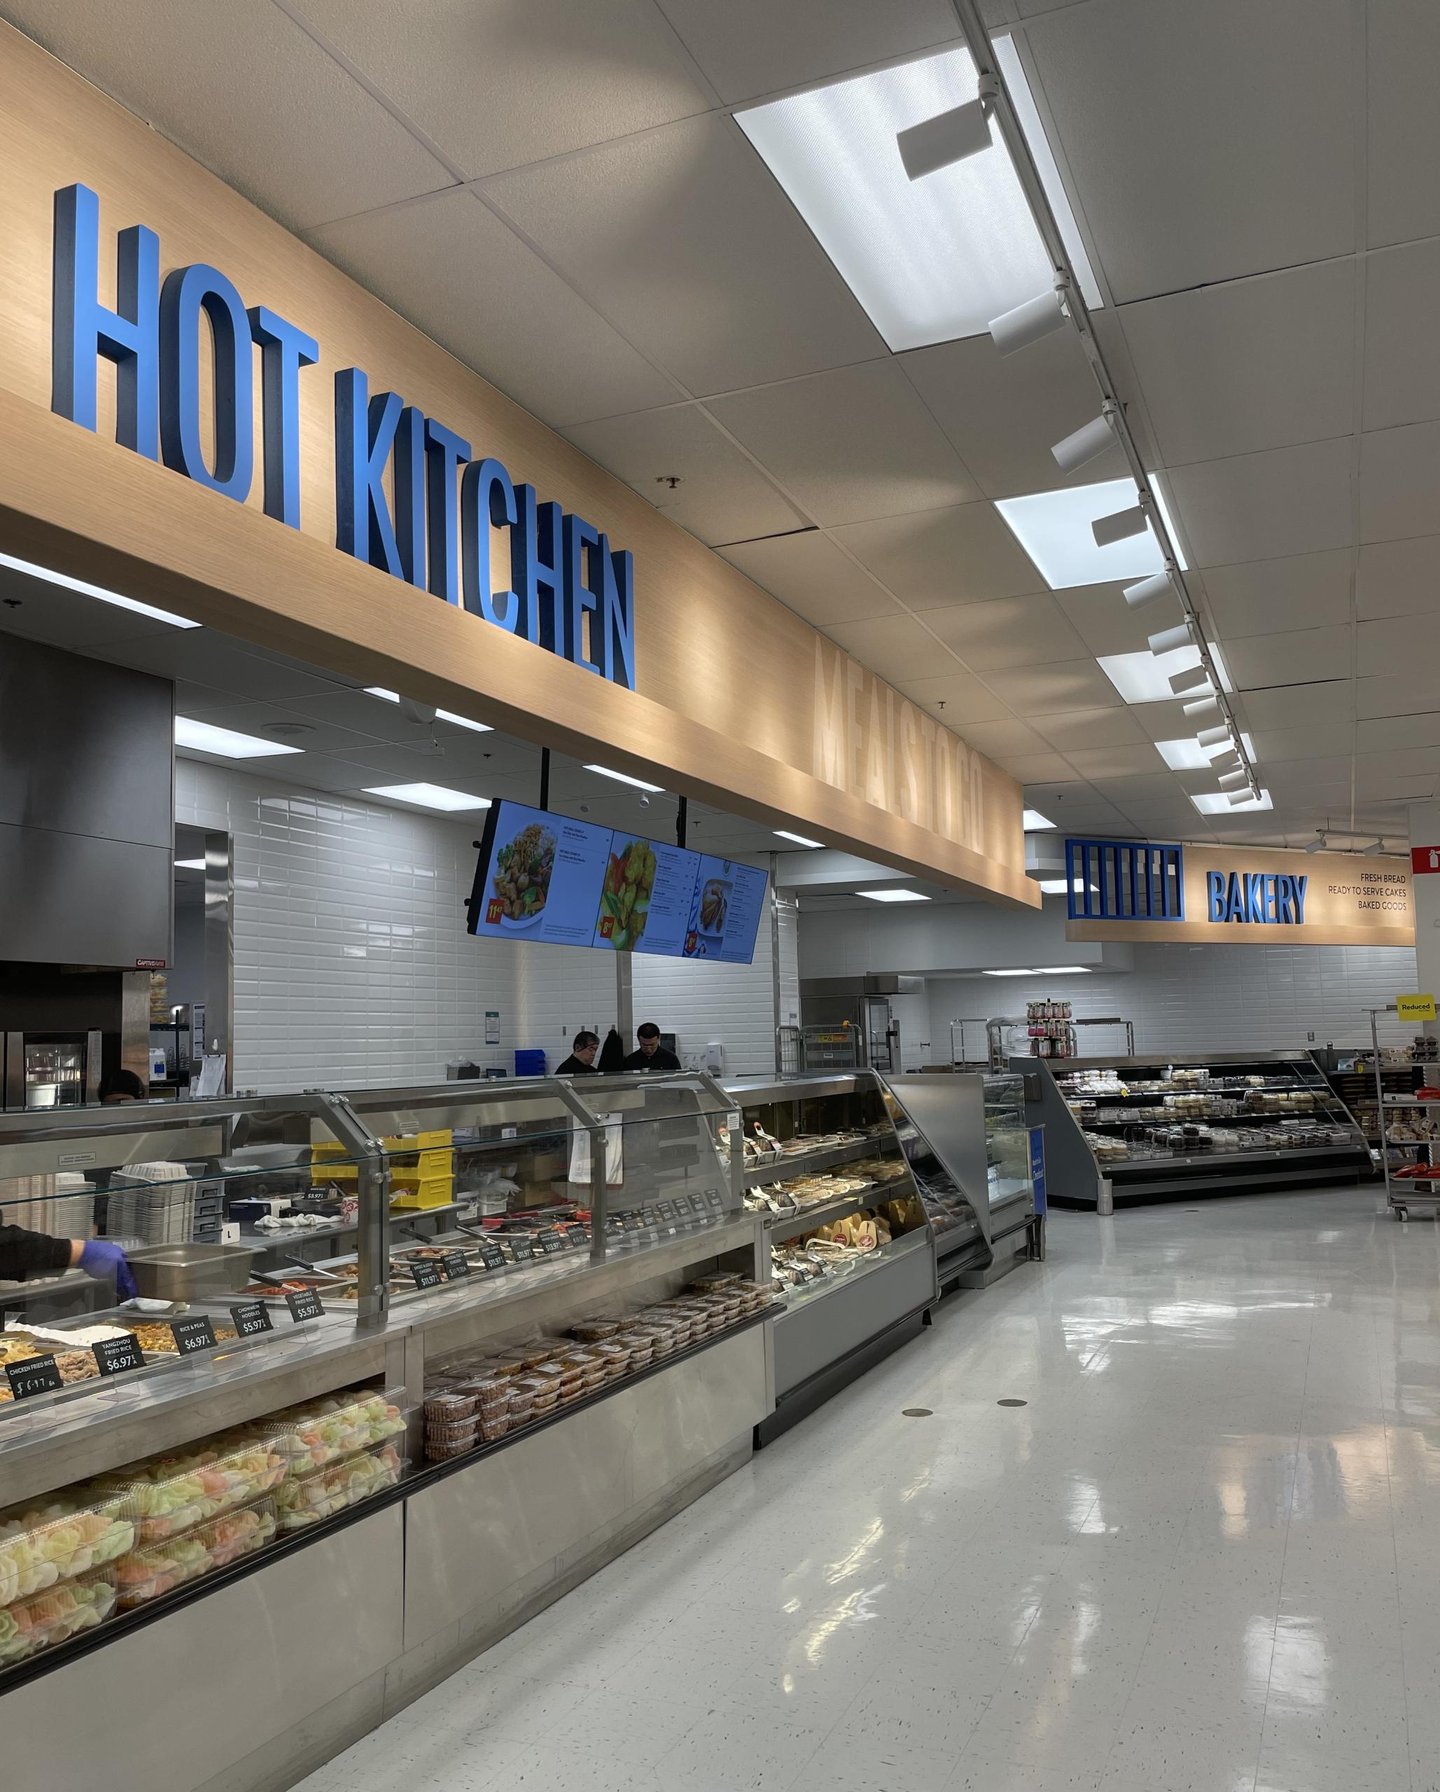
point(169, 1495)
point(57, 1539)
point(54, 1615)
point(330, 1429)
point(306, 1499)
point(160, 1567)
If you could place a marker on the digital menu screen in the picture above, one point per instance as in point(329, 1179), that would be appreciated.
point(541, 876)
point(725, 912)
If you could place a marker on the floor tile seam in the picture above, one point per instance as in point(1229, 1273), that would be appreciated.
point(1285, 1547)
point(1395, 1556)
point(990, 1697)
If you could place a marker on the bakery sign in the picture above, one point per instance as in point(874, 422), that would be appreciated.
point(1141, 890)
point(412, 497)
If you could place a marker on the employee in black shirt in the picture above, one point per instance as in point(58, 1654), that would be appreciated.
point(581, 1061)
point(24, 1254)
point(651, 1055)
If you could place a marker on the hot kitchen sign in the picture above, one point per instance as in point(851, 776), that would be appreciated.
point(412, 497)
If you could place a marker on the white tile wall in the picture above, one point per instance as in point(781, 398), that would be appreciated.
point(353, 967)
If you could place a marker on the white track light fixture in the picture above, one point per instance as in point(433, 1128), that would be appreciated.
point(1227, 762)
point(1236, 797)
point(1213, 737)
point(1120, 525)
point(1319, 843)
point(1159, 584)
point(951, 136)
point(1376, 845)
point(1229, 780)
point(1168, 639)
point(1031, 322)
point(1202, 706)
point(1085, 443)
point(1185, 684)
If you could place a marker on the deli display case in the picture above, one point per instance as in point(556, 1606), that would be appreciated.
point(1191, 1124)
point(548, 1330)
point(849, 1237)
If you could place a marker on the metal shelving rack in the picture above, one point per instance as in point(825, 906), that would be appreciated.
point(1404, 1192)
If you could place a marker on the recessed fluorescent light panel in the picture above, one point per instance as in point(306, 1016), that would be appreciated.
point(797, 839)
point(98, 592)
point(624, 778)
point(1056, 886)
point(225, 743)
point(892, 895)
point(189, 864)
point(1145, 677)
point(1190, 756)
point(1215, 802)
point(1044, 970)
point(441, 715)
point(1019, 971)
point(1034, 821)
point(1054, 528)
point(931, 259)
point(428, 796)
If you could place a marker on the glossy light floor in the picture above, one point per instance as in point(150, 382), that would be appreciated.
point(1203, 1557)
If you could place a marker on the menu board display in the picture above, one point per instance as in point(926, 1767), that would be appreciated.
point(725, 912)
point(544, 877)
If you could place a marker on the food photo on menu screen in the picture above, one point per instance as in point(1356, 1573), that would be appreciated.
point(725, 912)
point(646, 901)
point(539, 877)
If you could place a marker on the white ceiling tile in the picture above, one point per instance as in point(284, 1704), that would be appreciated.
point(1009, 737)
point(1054, 690)
point(452, 267)
point(1205, 142)
point(1299, 774)
point(1164, 721)
point(1301, 656)
point(1265, 597)
point(1395, 643)
point(1301, 705)
point(1400, 482)
point(806, 571)
point(1403, 137)
point(893, 646)
point(1402, 347)
point(1383, 784)
point(1410, 762)
point(1004, 412)
point(1092, 728)
point(496, 86)
point(1006, 631)
point(722, 495)
point(958, 698)
point(1259, 363)
point(1028, 767)
point(1388, 734)
point(1100, 763)
point(203, 657)
point(1261, 506)
point(1049, 797)
point(684, 241)
point(938, 557)
point(850, 444)
point(1105, 622)
point(1279, 746)
point(1140, 788)
point(1406, 693)
point(1398, 578)
point(249, 94)
point(753, 47)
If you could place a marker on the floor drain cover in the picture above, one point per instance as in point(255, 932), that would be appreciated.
point(1012, 1402)
point(917, 1412)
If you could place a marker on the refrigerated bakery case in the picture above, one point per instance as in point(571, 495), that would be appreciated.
point(849, 1237)
point(1191, 1124)
point(940, 1122)
point(417, 1442)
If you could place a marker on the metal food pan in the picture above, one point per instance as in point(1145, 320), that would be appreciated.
point(190, 1271)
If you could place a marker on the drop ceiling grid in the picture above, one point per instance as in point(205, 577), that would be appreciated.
point(691, 77)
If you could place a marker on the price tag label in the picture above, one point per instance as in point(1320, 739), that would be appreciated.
point(113, 1356)
point(305, 1304)
point(634, 1222)
point(715, 1199)
point(551, 1244)
point(696, 1204)
point(427, 1272)
point(250, 1319)
point(666, 1210)
point(36, 1375)
point(492, 1256)
point(194, 1333)
point(455, 1265)
point(523, 1248)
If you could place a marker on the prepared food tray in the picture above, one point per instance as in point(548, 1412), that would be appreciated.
point(167, 1495)
point(159, 1567)
point(53, 1616)
point(321, 1431)
point(306, 1499)
point(56, 1539)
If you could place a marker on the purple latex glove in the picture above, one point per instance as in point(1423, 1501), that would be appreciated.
point(106, 1261)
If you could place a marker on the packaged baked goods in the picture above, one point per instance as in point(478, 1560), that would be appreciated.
point(325, 1430)
point(167, 1495)
point(306, 1500)
point(450, 1406)
point(161, 1566)
point(53, 1616)
point(57, 1539)
point(592, 1331)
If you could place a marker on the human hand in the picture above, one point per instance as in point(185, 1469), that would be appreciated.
point(107, 1262)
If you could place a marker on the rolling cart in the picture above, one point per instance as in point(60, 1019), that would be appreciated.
point(1417, 1119)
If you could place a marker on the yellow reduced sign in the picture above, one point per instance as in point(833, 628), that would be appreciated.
point(1415, 1007)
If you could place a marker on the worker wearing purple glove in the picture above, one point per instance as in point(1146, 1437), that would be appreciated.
point(24, 1254)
